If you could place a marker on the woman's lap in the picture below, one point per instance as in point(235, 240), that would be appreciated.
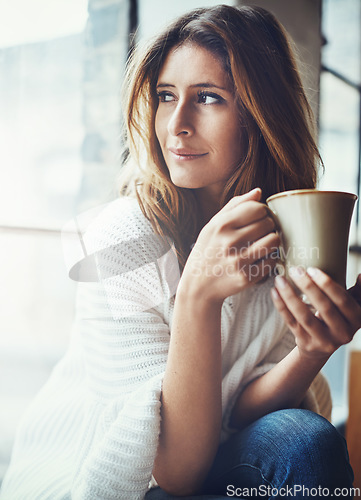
point(286, 452)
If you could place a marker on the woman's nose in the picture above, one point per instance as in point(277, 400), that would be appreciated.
point(181, 121)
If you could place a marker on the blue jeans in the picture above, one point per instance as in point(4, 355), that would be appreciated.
point(286, 454)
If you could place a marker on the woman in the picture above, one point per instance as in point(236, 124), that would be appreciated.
point(207, 393)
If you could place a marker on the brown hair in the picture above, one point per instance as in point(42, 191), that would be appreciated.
point(279, 150)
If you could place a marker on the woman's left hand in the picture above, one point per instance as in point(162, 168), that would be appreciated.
point(337, 317)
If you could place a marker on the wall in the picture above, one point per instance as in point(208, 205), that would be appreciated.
point(302, 20)
point(154, 15)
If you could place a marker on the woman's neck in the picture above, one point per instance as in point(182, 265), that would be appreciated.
point(209, 204)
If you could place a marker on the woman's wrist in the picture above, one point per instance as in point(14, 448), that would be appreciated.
point(195, 303)
point(311, 357)
point(193, 292)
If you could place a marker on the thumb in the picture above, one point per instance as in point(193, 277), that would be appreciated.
point(255, 195)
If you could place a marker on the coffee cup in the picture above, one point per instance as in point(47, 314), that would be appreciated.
point(314, 228)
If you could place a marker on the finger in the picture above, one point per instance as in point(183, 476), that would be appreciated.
point(326, 308)
point(345, 302)
point(240, 216)
point(282, 309)
point(258, 270)
point(327, 334)
point(246, 213)
point(299, 310)
point(255, 195)
point(262, 248)
point(288, 318)
point(254, 231)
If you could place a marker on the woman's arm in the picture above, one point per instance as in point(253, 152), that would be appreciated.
point(317, 337)
point(191, 396)
point(284, 386)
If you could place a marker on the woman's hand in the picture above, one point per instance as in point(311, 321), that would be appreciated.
point(233, 250)
point(337, 317)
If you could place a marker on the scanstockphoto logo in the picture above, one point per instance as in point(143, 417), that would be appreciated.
point(295, 491)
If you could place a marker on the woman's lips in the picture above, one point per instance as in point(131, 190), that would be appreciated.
point(185, 155)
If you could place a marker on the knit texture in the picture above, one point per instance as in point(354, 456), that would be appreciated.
point(92, 431)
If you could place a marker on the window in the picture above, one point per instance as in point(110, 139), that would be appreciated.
point(340, 140)
point(61, 64)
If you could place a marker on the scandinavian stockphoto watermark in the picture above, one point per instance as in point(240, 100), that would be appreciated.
point(295, 491)
point(253, 261)
point(139, 271)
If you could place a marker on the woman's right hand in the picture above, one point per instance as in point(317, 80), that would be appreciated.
point(234, 250)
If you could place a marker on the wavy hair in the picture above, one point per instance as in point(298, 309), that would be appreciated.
point(279, 151)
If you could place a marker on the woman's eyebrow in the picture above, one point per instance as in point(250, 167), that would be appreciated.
point(160, 85)
point(209, 85)
point(196, 85)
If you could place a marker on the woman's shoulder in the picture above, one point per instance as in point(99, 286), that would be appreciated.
point(115, 238)
point(122, 228)
point(117, 223)
point(119, 220)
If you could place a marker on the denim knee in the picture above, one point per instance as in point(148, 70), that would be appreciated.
point(284, 449)
point(316, 452)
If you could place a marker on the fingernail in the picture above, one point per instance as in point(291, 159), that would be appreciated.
point(280, 282)
point(296, 272)
point(313, 272)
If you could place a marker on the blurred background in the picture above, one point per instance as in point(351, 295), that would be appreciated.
point(61, 68)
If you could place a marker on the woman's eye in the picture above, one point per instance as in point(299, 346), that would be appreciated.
point(165, 96)
point(209, 98)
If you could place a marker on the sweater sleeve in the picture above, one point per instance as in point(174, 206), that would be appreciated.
point(92, 432)
point(124, 362)
point(125, 337)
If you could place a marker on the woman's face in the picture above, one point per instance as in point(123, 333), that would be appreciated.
point(197, 123)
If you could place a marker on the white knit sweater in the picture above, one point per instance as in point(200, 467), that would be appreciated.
point(92, 431)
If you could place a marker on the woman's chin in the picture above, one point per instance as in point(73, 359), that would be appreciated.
point(185, 183)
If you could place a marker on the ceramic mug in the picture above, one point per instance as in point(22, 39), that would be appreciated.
point(314, 229)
